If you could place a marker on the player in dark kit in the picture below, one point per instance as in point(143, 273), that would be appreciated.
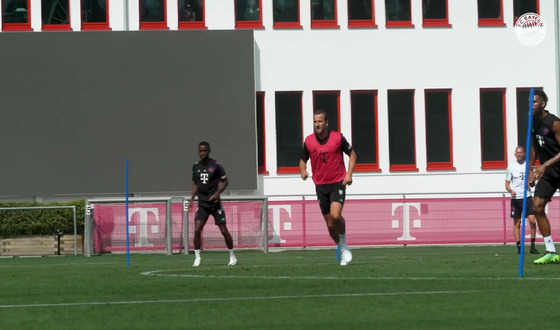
point(325, 149)
point(546, 146)
point(209, 181)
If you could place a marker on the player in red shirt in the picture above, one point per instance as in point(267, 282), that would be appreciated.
point(325, 148)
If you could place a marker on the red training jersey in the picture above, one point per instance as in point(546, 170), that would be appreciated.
point(327, 162)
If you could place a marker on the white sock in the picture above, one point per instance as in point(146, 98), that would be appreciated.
point(197, 254)
point(342, 242)
point(231, 255)
point(549, 244)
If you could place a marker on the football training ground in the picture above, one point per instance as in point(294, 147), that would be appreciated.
point(383, 288)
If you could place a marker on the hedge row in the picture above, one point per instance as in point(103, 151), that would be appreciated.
point(40, 222)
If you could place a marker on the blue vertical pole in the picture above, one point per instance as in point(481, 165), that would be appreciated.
point(525, 188)
point(126, 220)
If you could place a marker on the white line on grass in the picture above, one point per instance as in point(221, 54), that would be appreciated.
point(383, 278)
point(105, 303)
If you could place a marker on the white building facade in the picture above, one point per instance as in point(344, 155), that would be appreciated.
point(430, 93)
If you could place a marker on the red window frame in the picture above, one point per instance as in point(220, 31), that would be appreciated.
point(406, 167)
point(368, 167)
point(496, 164)
point(292, 169)
point(400, 24)
point(262, 168)
point(153, 25)
point(321, 23)
point(493, 21)
point(363, 23)
point(58, 27)
point(441, 22)
point(96, 25)
point(537, 2)
point(17, 26)
point(195, 25)
point(249, 24)
point(524, 111)
point(436, 166)
point(289, 25)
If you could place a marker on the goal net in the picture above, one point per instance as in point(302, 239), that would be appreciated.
point(163, 225)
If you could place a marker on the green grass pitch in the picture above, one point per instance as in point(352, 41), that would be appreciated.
point(383, 288)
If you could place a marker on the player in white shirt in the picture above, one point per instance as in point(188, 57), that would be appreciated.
point(515, 184)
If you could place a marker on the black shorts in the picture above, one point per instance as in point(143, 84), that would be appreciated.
point(547, 186)
point(216, 210)
point(517, 208)
point(328, 193)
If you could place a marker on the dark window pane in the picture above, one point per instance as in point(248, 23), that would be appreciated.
point(260, 131)
point(359, 10)
point(289, 138)
point(492, 125)
point(286, 11)
point(434, 9)
point(94, 11)
point(401, 127)
point(363, 127)
point(322, 10)
point(54, 11)
point(397, 10)
point(15, 11)
point(437, 127)
point(521, 7)
point(190, 10)
point(523, 104)
point(247, 10)
point(152, 11)
point(489, 9)
point(522, 116)
point(329, 103)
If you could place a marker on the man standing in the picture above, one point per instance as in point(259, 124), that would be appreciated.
point(325, 149)
point(546, 145)
point(515, 185)
point(209, 181)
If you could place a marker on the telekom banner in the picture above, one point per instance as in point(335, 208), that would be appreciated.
point(399, 222)
point(299, 223)
point(146, 227)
